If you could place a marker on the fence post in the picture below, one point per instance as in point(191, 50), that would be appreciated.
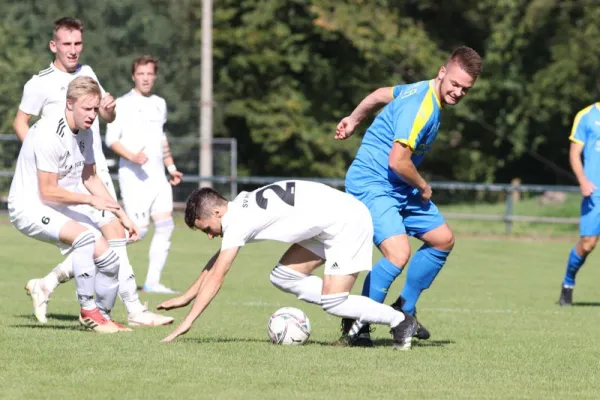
point(512, 196)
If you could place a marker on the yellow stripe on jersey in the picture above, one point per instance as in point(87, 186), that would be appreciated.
point(392, 93)
point(578, 117)
point(423, 115)
point(432, 89)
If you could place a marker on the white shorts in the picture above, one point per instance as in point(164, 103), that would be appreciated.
point(347, 247)
point(44, 223)
point(140, 205)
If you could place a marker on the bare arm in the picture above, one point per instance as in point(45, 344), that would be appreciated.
point(209, 287)
point(170, 164)
point(190, 294)
point(375, 100)
point(96, 187)
point(400, 161)
point(21, 124)
point(586, 187)
point(121, 151)
point(51, 192)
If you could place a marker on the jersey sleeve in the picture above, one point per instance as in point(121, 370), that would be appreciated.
point(396, 90)
point(32, 101)
point(47, 152)
point(413, 121)
point(114, 129)
point(579, 129)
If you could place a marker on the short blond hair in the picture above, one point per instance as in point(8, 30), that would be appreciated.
point(83, 86)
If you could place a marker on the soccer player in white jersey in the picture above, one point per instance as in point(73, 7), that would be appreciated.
point(45, 94)
point(323, 225)
point(46, 201)
point(138, 137)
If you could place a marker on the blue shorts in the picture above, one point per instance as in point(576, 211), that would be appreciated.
point(589, 223)
point(395, 213)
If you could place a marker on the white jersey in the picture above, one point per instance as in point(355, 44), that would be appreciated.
point(291, 212)
point(139, 126)
point(45, 94)
point(50, 146)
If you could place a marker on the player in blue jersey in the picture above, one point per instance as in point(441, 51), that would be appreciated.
point(384, 176)
point(585, 139)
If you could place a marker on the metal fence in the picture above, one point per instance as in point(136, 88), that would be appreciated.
point(227, 180)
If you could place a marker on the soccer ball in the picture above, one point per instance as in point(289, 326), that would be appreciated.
point(289, 325)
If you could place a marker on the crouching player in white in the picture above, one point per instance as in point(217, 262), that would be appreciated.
point(46, 201)
point(44, 94)
point(323, 224)
point(137, 136)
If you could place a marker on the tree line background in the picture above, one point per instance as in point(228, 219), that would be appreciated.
point(285, 72)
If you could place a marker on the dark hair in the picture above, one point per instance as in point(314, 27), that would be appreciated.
point(469, 60)
point(143, 60)
point(71, 24)
point(200, 203)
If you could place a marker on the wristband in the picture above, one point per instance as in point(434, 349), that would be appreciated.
point(172, 168)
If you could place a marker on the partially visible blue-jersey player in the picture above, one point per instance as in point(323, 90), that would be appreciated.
point(585, 140)
point(384, 176)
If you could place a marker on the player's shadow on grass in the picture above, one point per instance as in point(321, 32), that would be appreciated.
point(244, 340)
point(415, 343)
point(586, 304)
point(47, 326)
point(58, 317)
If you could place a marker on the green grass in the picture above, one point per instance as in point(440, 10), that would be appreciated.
point(497, 333)
point(528, 206)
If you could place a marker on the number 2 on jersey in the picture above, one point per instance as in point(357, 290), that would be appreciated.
point(287, 195)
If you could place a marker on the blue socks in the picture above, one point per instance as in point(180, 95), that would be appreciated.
point(379, 280)
point(422, 270)
point(575, 262)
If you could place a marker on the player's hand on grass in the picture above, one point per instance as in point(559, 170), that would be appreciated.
point(587, 188)
point(100, 203)
point(140, 158)
point(345, 128)
point(181, 330)
point(175, 302)
point(175, 177)
point(108, 102)
point(426, 194)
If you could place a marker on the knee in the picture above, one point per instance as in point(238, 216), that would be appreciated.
point(331, 302)
point(398, 257)
point(443, 241)
point(588, 243)
point(165, 226)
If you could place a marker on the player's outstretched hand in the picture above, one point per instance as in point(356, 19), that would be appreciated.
point(132, 228)
point(140, 158)
point(175, 178)
point(181, 330)
point(100, 203)
point(587, 188)
point(175, 302)
point(345, 128)
point(426, 194)
point(108, 102)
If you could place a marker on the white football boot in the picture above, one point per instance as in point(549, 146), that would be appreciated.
point(39, 297)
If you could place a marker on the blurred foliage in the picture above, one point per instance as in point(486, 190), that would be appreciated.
point(286, 72)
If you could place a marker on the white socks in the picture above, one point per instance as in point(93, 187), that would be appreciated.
point(127, 284)
point(159, 249)
point(107, 282)
point(361, 308)
point(305, 287)
point(84, 269)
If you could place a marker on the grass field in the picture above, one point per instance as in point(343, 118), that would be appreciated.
point(497, 333)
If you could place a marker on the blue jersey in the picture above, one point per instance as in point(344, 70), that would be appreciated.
point(412, 118)
point(586, 131)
